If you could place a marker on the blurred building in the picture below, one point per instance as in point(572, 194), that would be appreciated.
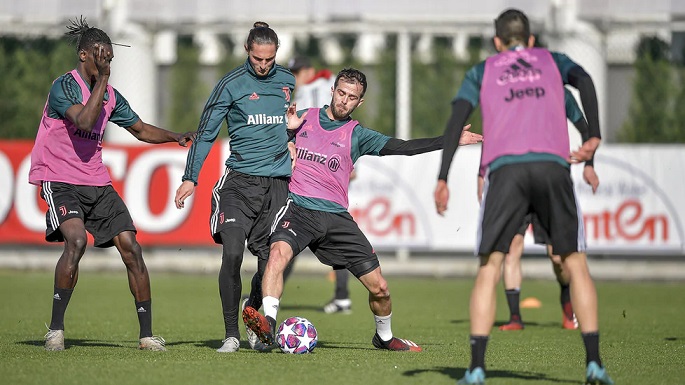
point(599, 34)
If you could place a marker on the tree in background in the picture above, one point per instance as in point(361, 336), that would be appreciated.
point(28, 67)
point(679, 105)
point(188, 93)
point(651, 114)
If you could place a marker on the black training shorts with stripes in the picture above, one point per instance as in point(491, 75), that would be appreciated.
point(542, 188)
point(249, 203)
point(335, 238)
point(101, 209)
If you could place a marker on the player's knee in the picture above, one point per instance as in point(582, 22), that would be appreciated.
point(75, 246)
point(131, 252)
point(280, 255)
point(380, 289)
point(556, 259)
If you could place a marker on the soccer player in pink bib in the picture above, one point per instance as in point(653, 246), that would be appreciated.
point(66, 161)
point(526, 153)
point(328, 144)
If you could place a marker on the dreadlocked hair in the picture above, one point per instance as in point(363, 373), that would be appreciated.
point(85, 36)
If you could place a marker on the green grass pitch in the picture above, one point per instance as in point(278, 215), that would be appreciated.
point(642, 335)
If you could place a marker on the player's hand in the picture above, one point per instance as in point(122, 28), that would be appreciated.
point(585, 152)
point(294, 121)
point(468, 137)
point(293, 155)
point(102, 57)
point(185, 190)
point(590, 177)
point(441, 195)
point(187, 138)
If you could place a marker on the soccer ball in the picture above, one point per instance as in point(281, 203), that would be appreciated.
point(296, 335)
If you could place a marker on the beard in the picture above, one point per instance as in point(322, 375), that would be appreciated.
point(339, 112)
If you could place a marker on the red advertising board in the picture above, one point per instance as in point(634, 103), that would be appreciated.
point(146, 177)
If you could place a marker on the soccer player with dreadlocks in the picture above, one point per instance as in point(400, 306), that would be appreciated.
point(66, 161)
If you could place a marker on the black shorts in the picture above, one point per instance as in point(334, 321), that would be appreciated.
point(539, 234)
point(101, 209)
point(335, 238)
point(542, 188)
point(249, 203)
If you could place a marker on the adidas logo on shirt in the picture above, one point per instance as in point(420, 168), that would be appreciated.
point(141, 310)
point(254, 96)
point(303, 134)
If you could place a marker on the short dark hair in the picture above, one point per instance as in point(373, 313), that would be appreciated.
point(299, 62)
point(512, 26)
point(84, 35)
point(261, 34)
point(352, 75)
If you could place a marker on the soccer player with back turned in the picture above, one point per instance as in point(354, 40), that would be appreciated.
point(526, 150)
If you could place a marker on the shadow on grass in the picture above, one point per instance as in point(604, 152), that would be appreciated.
point(527, 324)
point(302, 308)
point(458, 373)
point(216, 344)
point(72, 342)
point(459, 321)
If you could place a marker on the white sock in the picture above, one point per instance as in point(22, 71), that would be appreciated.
point(271, 305)
point(383, 327)
point(343, 302)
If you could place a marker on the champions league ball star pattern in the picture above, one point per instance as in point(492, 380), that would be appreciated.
point(296, 335)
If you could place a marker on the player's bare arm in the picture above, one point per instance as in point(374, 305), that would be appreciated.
point(481, 184)
point(85, 116)
point(590, 177)
point(152, 134)
point(185, 190)
point(441, 196)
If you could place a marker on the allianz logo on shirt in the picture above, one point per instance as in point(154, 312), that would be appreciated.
point(265, 119)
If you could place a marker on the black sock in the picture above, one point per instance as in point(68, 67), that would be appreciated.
point(565, 300)
point(230, 281)
point(341, 288)
point(513, 297)
point(591, 341)
point(60, 300)
point(144, 310)
point(255, 298)
point(478, 345)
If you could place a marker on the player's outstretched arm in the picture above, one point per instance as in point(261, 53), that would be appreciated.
point(153, 134)
point(410, 147)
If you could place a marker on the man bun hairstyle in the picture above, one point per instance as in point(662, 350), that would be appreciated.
point(512, 26)
point(85, 36)
point(261, 34)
